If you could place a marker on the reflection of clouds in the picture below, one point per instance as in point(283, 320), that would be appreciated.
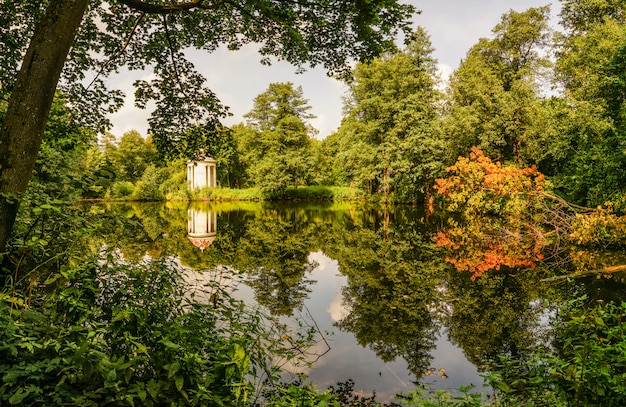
point(336, 308)
point(325, 265)
point(323, 262)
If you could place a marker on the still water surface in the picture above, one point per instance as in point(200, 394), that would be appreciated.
point(389, 307)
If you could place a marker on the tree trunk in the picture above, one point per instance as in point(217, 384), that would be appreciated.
point(29, 104)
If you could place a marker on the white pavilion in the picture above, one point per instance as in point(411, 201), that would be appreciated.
point(201, 172)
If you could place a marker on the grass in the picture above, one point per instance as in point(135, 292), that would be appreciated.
point(256, 194)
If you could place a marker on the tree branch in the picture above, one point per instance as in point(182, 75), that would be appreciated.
point(149, 8)
point(121, 50)
point(173, 56)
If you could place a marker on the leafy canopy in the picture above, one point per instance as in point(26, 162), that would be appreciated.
point(157, 35)
point(388, 139)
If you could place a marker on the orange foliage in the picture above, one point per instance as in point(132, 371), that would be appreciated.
point(479, 185)
point(498, 206)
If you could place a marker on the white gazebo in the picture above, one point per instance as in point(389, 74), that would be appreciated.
point(201, 172)
point(201, 227)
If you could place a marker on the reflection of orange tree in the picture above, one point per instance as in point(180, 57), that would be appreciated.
point(500, 210)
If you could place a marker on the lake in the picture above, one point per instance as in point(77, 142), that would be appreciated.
point(388, 306)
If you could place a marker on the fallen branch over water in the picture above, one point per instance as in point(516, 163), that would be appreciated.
point(612, 269)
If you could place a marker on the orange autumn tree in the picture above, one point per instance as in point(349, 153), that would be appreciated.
point(495, 214)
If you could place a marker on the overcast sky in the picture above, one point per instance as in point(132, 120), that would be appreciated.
point(237, 77)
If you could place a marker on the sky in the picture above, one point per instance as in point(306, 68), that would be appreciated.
point(237, 77)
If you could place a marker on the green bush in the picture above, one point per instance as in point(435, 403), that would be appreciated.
point(301, 193)
point(585, 366)
point(174, 187)
point(149, 186)
point(125, 335)
point(121, 189)
point(321, 192)
point(228, 194)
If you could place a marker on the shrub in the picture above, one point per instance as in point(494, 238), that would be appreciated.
point(478, 186)
point(149, 186)
point(584, 367)
point(121, 189)
point(123, 334)
point(174, 187)
point(600, 228)
point(320, 192)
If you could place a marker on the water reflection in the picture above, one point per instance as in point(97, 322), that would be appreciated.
point(201, 227)
point(392, 308)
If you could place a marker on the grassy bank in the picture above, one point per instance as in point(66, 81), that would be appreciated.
point(256, 194)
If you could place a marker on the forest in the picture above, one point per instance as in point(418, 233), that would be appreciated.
point(522, 150)
point(527, 96)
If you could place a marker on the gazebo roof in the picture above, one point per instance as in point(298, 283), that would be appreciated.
point(202, 157)
point(201, 242)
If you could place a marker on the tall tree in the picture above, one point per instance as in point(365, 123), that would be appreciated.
point(585, 146)
point(48, 39)
point(494, 94)
point(278, 152)
point(390, 138)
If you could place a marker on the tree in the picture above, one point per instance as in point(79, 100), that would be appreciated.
point(131, 156)
point(278, 102)
point(585, 142)
point(390, 140)
point(66, 38)
point(277, 150)
point(494, 94)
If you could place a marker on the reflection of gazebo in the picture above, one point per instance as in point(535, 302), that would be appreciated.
point(201, 227)
point(201, 172)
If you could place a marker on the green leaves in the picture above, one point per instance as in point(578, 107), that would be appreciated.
point(136, 343)
point(494, 94)
point(389, 143)
point(583, 366)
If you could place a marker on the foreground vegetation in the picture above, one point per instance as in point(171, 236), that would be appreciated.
point(111, 333)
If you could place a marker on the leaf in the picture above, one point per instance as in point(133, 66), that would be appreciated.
point(20, 395)
point(599, 321)
point(52, 279)
point(169, 344)
point(503, 387)
point(141, 348)
point(179, 381)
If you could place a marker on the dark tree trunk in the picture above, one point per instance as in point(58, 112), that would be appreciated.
point(29, 104)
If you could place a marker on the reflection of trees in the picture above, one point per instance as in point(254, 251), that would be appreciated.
point(391, 267)
point(134, 229)
point(396, 276)
point(270, 245)
point(491, 316)
point(393, 273)
point(484, 243)
point(274, 254)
